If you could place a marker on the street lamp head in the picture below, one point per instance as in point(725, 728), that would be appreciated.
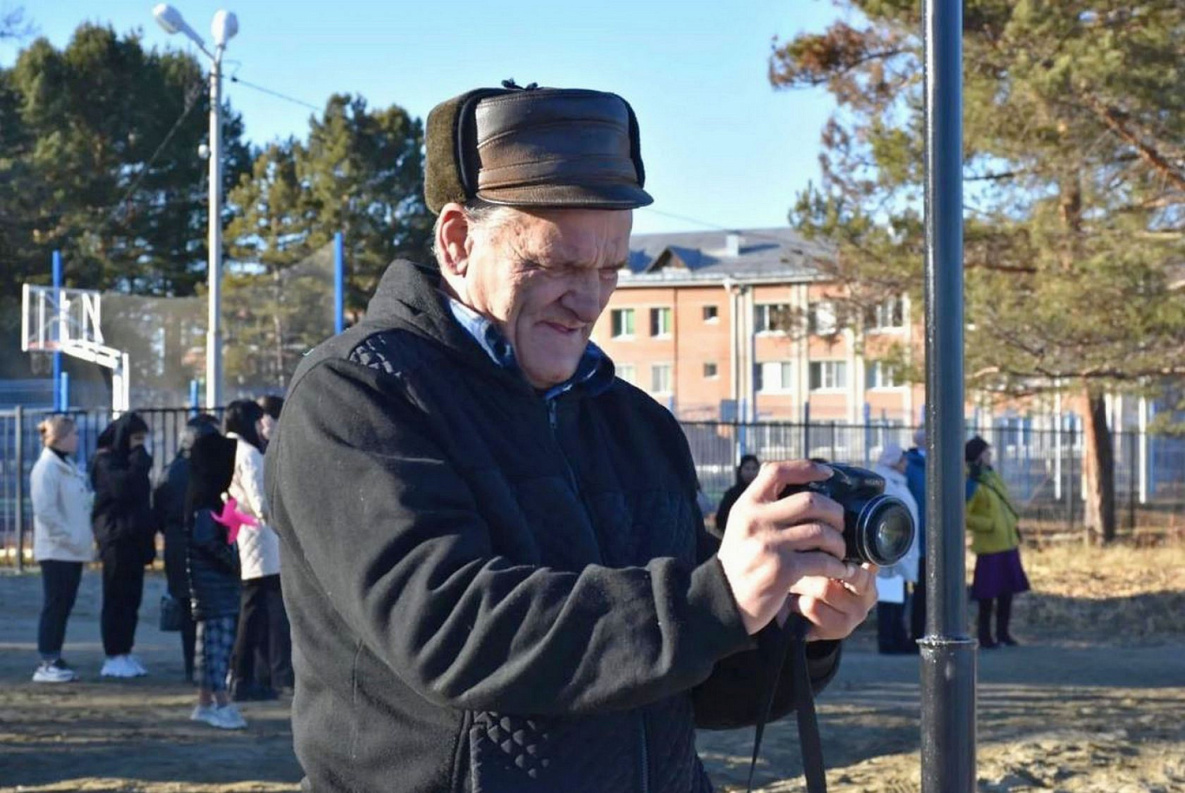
point(169, 18)
point(224, 27)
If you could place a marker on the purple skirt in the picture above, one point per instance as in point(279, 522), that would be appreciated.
point(998, 574)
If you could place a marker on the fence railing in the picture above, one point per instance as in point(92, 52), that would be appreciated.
point(1043, 468)
point(20, 446)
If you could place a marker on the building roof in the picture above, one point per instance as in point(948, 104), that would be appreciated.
point(777, 254)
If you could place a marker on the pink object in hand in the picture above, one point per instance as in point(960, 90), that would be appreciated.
point(233, 520)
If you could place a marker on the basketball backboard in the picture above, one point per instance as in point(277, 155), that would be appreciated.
point(69, 321)
point(54, 318)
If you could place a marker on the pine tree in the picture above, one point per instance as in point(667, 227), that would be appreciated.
point(1074, 197)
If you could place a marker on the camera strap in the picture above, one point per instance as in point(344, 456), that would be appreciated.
point(791, 639)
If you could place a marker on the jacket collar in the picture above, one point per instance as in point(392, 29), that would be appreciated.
point(49, 454)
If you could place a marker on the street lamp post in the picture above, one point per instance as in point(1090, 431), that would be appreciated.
point(223, 27)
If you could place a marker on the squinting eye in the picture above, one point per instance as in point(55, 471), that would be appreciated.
point(609, 273)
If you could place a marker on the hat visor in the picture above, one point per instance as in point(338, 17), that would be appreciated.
point(595, 196)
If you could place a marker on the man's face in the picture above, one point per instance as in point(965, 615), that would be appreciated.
point(544, 277)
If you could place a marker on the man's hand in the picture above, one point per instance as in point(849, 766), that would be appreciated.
point(771, 546)
point(833, 607)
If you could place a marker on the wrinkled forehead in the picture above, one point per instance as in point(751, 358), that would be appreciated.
point(575, 237)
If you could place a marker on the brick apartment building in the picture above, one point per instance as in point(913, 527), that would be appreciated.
point(720, 325)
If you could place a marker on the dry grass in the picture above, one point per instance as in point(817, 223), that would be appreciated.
point(1111, 595)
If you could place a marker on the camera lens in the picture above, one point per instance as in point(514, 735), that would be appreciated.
point(884, 531)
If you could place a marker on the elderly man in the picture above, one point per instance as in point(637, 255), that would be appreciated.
point(495, 568)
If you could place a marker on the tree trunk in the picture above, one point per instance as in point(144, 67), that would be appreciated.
point(1098, 468)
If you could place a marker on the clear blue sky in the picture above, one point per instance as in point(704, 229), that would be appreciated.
point(719, 144)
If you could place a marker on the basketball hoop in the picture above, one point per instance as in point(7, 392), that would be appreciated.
point(69, 321)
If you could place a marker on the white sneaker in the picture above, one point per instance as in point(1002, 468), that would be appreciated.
point(202, 713)
point(134, 664)
point(52, 673)
point(229, 718)
point(117, 666)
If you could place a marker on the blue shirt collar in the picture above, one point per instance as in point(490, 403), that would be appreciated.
point(595, 370)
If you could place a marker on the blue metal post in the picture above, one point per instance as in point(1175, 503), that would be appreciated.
point(339, 283)
point(59, 397)
point(64, 392)
point(194, 404)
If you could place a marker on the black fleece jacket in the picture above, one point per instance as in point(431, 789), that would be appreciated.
point(122, 512)
point(492, 592)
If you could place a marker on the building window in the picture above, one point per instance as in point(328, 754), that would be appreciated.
point(623, 323)
point(878, 374)
point(660, 322)
point(711, 313)
point(771, 318)
point(627, 373)
point(887, 315)
point(710, 370)
point(773, 376)
point(823, 319)
point(660, 378)
point(829, 375)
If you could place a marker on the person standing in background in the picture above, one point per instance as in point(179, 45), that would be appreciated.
point(892, 638)
point(915, 477)
point(62, 541)
point(263, 630)
point(272, 406)
point(213, 565)
point(124, 528)
point(168, 503)
point(995, 540)
point(745, 474)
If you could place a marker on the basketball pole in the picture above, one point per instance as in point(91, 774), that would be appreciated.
point(59, 392)
point(339, 282)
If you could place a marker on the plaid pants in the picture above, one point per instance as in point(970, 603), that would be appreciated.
point(215, 640)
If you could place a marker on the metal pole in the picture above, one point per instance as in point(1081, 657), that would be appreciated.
point(1143, 450)
point(947, 652)
point(20, 489)
point(1070, 478)
point(214, 276)
point(806, 429)
point(1132, 478)
point(339, 283)
point(58, 400)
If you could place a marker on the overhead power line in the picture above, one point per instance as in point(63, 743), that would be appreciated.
point(276, 94)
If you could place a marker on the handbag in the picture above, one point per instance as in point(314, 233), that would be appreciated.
point(170, 613)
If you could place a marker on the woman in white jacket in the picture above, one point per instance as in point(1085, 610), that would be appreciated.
point(62, 539)
point(263, 632)
point(891, 634)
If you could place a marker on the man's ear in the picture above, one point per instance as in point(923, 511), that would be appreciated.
point(452, 236)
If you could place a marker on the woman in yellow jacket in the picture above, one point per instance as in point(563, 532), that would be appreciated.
point(992, 523)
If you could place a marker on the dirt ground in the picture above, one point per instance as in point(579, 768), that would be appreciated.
point(1093, 700)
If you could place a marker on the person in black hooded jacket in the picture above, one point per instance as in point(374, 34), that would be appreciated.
point(745, 474)
point(168, 504)
point(125, 531)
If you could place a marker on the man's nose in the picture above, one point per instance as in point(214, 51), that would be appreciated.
point(583, 297)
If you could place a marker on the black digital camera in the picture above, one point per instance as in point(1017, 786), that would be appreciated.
point(877, 528)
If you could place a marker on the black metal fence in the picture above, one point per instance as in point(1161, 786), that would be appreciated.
point(20, 446)
point(1043, 468)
